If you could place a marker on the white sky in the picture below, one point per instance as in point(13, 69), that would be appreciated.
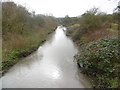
point(60, 8)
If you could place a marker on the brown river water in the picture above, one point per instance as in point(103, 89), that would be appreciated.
point(51, 66)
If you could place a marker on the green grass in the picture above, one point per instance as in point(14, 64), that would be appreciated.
point(114, 28)
point(31, 42)
point(75, 25)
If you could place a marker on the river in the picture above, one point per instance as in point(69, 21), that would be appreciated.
point(51, 66)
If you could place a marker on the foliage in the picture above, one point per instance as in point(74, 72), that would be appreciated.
point(22, 32)
point(67, 21)
point(92, 20)
point(98, 56)
point(16, 19)
point(100, 59)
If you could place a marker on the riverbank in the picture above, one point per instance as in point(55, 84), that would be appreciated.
point(48, 67)
point(22, 33)
point(96, 35)
point(15, 55)
point(98, 55)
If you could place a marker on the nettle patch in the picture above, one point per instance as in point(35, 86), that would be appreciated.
point(101, 59)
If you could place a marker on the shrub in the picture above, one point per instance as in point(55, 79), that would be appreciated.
point(23, 32)
point(101, 60)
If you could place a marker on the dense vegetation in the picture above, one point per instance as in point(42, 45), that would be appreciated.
point(100, 60)
point(23, 32)
point(96, 34)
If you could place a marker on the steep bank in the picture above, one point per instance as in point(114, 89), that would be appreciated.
point(23, 32)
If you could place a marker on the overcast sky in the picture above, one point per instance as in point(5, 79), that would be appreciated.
point(60, 8)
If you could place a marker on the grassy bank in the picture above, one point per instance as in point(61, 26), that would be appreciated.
point(96, 36)
point(23, 33)
point(14, 53)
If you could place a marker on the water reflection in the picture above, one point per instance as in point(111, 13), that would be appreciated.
point(51, 66)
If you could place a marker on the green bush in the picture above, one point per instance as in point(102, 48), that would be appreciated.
point(101, 59)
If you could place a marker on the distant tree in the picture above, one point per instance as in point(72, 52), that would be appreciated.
point(89, 20)
point(67, 20)
point(17, 19)
point(93, 11)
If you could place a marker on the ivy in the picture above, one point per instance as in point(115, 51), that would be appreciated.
point(100, 59)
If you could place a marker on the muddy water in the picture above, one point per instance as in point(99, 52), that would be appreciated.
point(51, 66)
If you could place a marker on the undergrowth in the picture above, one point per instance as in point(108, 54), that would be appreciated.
point(100, 60)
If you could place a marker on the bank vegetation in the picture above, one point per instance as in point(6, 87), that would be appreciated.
point(96, 35)
point(22, 32)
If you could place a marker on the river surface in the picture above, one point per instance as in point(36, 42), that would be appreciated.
point(51, 66)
